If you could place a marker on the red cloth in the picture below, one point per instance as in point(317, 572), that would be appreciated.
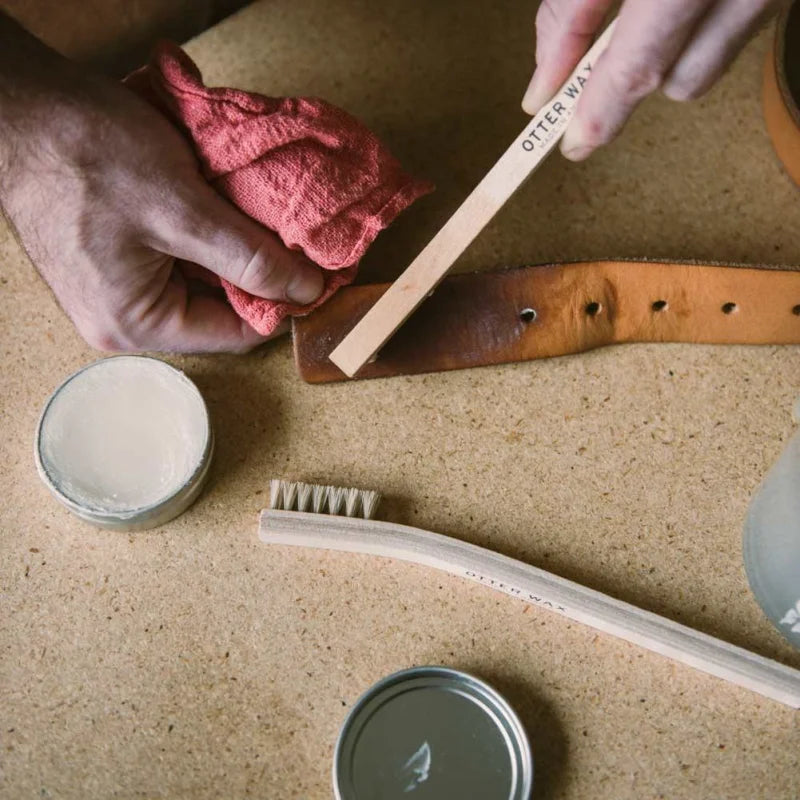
point(300, 166)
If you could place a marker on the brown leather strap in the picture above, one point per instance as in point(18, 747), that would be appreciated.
point(536, 312)
point(781, 93)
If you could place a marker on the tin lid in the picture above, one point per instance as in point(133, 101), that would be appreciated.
point(432, 732)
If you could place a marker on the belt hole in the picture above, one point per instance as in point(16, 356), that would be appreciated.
point(660, 305)
point(593, 308)
point(528, 315)
point(729, 308)
point(796, 310)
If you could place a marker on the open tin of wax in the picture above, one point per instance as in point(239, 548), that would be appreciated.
point(125, 443)
point(432, 732)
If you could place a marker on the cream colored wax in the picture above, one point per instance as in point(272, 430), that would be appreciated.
point(122, 435)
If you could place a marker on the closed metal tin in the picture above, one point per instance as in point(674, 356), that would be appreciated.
point(432, 732)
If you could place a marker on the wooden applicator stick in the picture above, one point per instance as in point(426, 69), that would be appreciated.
point(517, 164)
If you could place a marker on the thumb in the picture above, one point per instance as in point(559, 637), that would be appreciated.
point(210, 231)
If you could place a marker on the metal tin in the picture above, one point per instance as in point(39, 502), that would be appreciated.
point(432, 732)
point(163, 508)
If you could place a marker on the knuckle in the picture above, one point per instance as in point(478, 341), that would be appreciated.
point(547, 17)
point(101, 338)
point(580, 18)
point(133, 339)
point(242, 347)
point(175, 216)
point(114, 336)
point(193, 213)
point(635, 80)
point(263, 274)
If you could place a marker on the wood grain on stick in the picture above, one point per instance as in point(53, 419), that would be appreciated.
point(517, 164)
point(538, 587)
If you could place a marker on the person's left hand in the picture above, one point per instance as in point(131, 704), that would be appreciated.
point(108, 200)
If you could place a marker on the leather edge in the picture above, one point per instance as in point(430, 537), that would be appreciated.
point(781, 114)
point(475, 319)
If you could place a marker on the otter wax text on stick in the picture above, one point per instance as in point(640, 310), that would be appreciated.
point(525, 154)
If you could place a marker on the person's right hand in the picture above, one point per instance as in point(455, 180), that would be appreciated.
point(107, 199)
point(680, 46)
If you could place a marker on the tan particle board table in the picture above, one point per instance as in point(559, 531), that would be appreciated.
point(191, 661)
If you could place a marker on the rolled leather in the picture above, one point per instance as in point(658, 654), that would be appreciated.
point(781, 90)
point(533, 312)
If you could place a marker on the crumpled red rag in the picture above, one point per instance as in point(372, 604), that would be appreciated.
point(300, 166)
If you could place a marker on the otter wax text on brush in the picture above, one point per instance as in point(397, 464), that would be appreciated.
point(125, 443)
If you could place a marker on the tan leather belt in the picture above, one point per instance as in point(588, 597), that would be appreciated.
point(540, 311)
point(536, 312)
point(781, 94)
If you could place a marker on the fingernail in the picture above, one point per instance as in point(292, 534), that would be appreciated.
point(577, 153)
point(536, 95)
point(305, 286)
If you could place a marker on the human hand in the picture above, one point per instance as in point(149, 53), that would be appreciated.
point(679, 46)
point(108, 201)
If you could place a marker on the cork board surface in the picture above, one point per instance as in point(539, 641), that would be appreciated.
point(192, 661)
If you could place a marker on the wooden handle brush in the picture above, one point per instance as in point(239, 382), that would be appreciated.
point(309, 515)
point(525, 154)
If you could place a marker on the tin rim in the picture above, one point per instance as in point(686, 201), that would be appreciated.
point(512, 728)
point(148, 516)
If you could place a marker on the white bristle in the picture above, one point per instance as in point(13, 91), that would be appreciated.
point(304, 496)
point(335, 499)
point(275, 493)
point(319, 496)
point(369, 503)
point(289, 494)
point(319, 499)
point(352, 502)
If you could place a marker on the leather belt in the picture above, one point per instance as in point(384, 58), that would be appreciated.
point(540, 311)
